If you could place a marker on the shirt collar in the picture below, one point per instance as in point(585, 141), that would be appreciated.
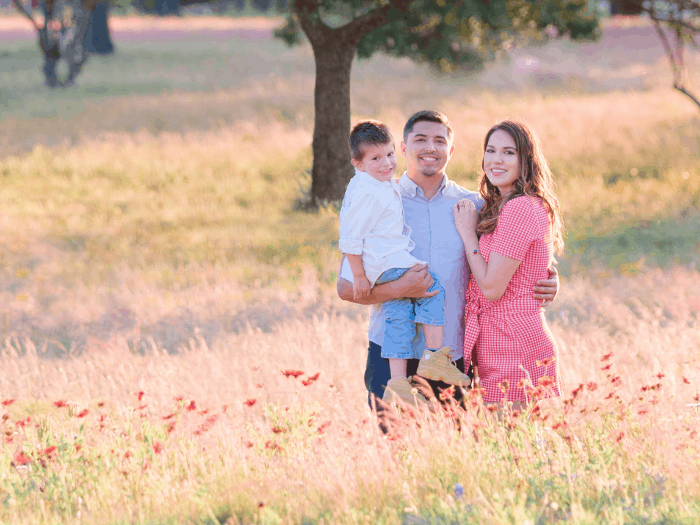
point(366, 177)
point(414, 190)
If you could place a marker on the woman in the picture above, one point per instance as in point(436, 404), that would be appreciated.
point(509, 246)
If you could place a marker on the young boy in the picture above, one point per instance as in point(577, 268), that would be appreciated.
point(377, 246)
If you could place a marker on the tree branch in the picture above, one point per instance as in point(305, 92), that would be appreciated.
point(21, 9)
point(687, 94)
point(375, 19)
point(667, 47)
point(310, 20)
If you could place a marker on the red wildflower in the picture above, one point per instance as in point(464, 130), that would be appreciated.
point(22, 422)
point(250, 402)
point(279, 430)
point(545, 362)
point(49, 451)
point(20, 459)
point(606, 357)
point(203, 412)
point(504, 385)
point(311, 379)
point(140, 395)
point(261, 505)
point(101, 404)
point(249, 444)
point(170, 427)
point(610, 395)
point(272, 445)
point(7, 402)
point(521, 383)
point(259, 385)
point(660, 375)
point(5, 417)
point(615, 380)
point(292, 373)
point(619, 437)
point(102, 417)
point(60, 403)
point(169, 416)
point(178, 399)
point(141, 407)
point(192, 406)
point(447, 393)
point(127, 454)
point(642, 411)
point(323, 427)
point(577, 391)
point(685, 380)
point(607, 367)
point(82, 413)
point(224, 408)
point(697, 397)
point(492, 408)
point(158, 447)
point(545, 381)
point(78, 447)
point(591, 386)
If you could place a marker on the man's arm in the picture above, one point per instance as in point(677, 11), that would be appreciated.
point(546, 291)
point(414, 283)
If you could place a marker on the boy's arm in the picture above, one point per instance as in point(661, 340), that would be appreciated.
point(360, 283)
point(414, 283)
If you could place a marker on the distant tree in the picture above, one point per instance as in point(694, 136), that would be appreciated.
point(625, 7)
point(98, 39)
point(447, 34)
point(677, 22)
point(61, 35)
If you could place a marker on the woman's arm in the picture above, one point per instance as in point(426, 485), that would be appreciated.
point(492, 277)
point(414, 283)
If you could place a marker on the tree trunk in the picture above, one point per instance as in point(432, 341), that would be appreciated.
point(626, 7)
point(331, 169)
point(98, 40)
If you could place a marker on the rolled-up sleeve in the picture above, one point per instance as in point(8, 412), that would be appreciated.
point(361, 212)
point(517, 229)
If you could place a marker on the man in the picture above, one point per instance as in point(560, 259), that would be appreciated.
point(428, 200)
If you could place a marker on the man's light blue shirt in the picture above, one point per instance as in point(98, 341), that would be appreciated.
point(436, 240)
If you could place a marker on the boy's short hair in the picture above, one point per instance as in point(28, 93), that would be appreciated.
point(368, 133)
point(426, 116)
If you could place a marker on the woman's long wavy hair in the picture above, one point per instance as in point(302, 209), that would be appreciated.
point(534, 179)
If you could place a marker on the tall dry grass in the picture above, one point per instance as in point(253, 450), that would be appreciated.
point(262, 447)
point(157, 278)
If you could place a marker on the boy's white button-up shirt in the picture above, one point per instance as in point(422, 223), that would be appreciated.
point(372, 225)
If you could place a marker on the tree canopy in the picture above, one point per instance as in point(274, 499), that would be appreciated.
point(449, 35)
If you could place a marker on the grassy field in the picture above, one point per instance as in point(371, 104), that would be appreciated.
point(157, 277)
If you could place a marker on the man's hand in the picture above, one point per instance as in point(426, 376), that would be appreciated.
point(414, 284)
point(546, 291)
point(416, 281)
point(360, 287)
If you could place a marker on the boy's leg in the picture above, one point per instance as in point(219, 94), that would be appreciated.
point(399, 332)
point(436, 363)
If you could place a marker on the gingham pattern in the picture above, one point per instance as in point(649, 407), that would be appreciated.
point(512, 332)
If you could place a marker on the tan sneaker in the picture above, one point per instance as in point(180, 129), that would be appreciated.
point(438, 366)
point(401, 388)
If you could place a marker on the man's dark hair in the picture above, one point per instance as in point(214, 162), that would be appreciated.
point(368, 133)
point(426, 116)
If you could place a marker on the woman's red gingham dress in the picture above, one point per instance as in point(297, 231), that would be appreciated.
point(511, 333)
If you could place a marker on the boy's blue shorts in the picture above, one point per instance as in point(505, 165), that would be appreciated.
point(401, 315)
